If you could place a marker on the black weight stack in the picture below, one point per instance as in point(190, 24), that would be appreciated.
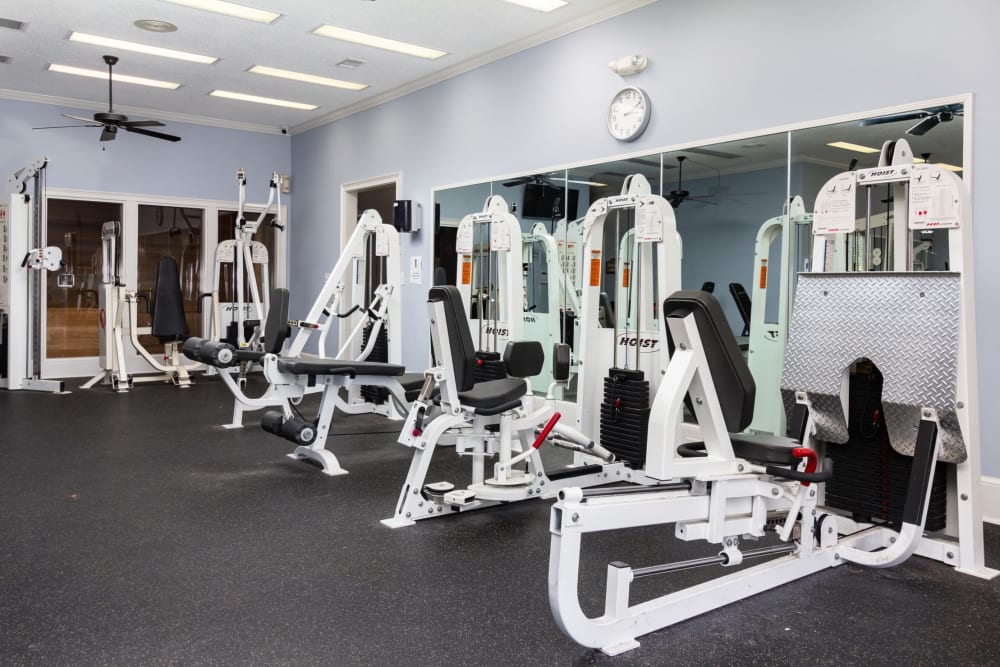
point(376, 395)
point(870, 478)
point(625, 415)
point(490, 366)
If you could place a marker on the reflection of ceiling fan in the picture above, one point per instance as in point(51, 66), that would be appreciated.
point(110, 121)
point(680, 195)
point(928, 118)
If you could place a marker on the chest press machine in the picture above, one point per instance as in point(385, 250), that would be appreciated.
point(917, 326)
point(498, 419)
point(291, 376)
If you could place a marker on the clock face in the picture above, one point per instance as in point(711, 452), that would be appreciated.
point(628, 114)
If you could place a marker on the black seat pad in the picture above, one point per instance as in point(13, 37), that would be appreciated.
point(248, 355)
point(763, 449)
point(493, 393)
point(338, 367)
point(411, 383)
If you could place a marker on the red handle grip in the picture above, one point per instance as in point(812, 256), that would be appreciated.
point(545, 431)
point(812, 461)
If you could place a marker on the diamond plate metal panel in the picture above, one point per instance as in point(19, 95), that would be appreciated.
point(906, 323)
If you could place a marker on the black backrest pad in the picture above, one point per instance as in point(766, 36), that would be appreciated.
point(742, 300)
point(524, 358)
point(730, 373)
point(276, 324)
point(168, 306)
point(463, 351)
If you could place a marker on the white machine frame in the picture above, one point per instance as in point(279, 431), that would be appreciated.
point(503, 249)
point(596, 347)
point(22, 283)
point(721, 499)
point(766, 350)
point(243, 254)
point(346, 278)
point(118, 300)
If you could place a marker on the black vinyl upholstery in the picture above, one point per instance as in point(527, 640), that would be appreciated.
point(463, 351)
point(276, 324)
point(743, 304)
point(168, 305)
point(730, 374)
point(524, 358)
point(338, 367)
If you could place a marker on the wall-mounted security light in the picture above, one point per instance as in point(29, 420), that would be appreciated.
point(629, 65)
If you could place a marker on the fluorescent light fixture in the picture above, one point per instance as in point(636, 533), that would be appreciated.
point(378, 42)
point(307, 78)
point(230, 9)
point(857, 148)
point(540, 5)
point(119, 78)
point(262, 100)
point(96, 40)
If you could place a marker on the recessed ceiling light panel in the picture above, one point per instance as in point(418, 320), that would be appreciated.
point(378, 42)
point(97, 40)
point(119, 78)
point(242, 97)
point(857, 148)
point(540, 5)
point(307, 78)
point(230, 9)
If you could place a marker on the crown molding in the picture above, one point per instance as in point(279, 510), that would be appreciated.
point(612, 10)
point(139, 111)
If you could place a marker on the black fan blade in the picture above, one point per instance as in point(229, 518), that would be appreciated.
point(895, 117)
point(109, 133)
point(56, 127)
point(524, 180)
point(82, 119)
point(150, 133)
point(141, 123)
point(924, 126)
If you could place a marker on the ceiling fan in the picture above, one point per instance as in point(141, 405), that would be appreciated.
point(928, 118)
point(109, 121)
point(680, 195)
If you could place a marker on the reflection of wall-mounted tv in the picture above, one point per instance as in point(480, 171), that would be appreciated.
point(540, 202)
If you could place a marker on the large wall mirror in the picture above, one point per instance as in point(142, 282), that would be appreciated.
point(723, 195)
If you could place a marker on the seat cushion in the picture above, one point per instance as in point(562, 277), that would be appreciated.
point(411, 383)
point(338, 367)
point(494, 393)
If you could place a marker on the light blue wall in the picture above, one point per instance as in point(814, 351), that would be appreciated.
point(202, 165)
point(718, 67)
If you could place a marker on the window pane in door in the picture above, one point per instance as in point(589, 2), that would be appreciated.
point(175, 233)
point(72, 312)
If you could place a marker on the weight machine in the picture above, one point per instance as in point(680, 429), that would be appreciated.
point(242, 256)
point(22, 280)
point(766, 350)
point(490, 272)
point(499, 419)
point(117, 302)
point(552, 323)
point(918, 327)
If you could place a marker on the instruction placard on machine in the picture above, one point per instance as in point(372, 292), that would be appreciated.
point(934, 199)
point(835, 206)
point(4, 259)
point(648, 223)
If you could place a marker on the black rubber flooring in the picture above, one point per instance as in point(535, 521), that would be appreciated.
point(136, 531)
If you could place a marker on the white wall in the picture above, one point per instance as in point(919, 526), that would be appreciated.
point(718, 67)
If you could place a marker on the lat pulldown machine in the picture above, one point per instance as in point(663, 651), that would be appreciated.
point(22, 280)
point(917, 327)
point(241, 255)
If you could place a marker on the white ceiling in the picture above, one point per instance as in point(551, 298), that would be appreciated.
point(473, 32)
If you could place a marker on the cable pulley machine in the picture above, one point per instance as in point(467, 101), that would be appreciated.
point(22, 280)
